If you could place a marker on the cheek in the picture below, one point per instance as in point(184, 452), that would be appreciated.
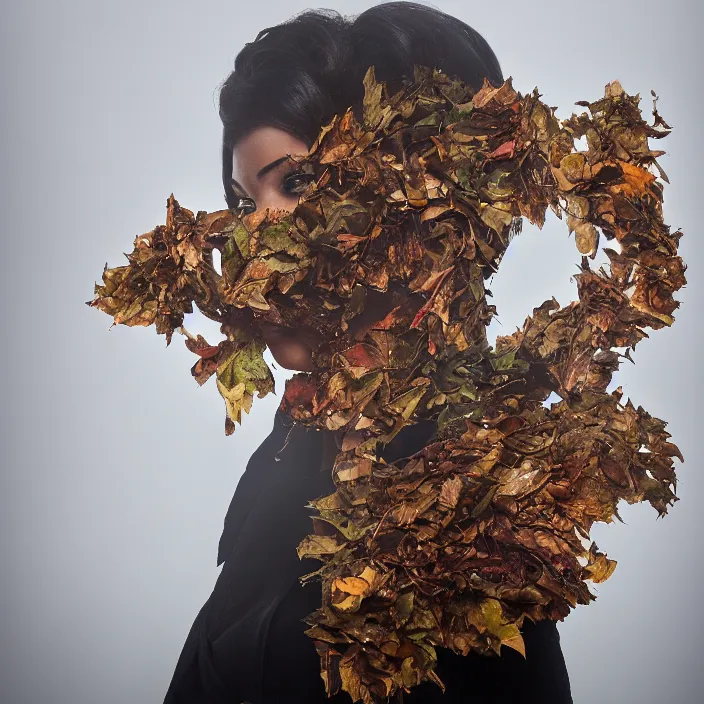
point(272, 197)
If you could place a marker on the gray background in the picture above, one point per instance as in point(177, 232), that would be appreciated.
point(116, 471)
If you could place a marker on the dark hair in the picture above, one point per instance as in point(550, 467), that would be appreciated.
point(297, 75)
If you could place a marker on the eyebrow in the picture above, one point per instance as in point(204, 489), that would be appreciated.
point(263, 171)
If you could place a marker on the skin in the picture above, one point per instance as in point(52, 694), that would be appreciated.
point(256, 174)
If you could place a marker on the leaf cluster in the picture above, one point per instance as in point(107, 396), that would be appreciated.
point(419, 197)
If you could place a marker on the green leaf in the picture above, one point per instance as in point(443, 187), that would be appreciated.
point(241, 375)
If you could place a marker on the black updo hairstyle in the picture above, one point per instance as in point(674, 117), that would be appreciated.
point(297, 75)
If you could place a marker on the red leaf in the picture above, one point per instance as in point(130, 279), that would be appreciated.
point(208, 352)
point(300, 390)
point(505, 149)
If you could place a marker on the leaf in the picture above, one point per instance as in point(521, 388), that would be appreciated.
point(352, 585)
point(493, 614)
point(497, 216)
point(504, 150)
point(521, 480)
point(315, 545)
point(516, 643)
point(353, 469)
point(433, 211)
point(405, 403)
point(586, 235)
point(363, 355)
point(450, 492)
point(242, 374)
point(599, 567)
point(349, 603)
point(372, 99)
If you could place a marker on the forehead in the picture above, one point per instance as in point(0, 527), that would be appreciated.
point(259, 148)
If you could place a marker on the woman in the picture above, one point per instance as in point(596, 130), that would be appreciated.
point(248, 641)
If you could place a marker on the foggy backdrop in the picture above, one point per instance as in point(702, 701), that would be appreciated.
point(116, 473)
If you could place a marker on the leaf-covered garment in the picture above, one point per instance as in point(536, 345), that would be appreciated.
point(248, 642)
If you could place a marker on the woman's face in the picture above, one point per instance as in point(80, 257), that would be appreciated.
point(259, 170)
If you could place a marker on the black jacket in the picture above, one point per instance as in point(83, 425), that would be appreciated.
point(248, 643)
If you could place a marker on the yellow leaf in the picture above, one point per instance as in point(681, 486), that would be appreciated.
point(516, 643)
point(313, 545)
point(492, 613)
point(599, 568)
point(350, 603)
point(369, 575)
point(351, 585)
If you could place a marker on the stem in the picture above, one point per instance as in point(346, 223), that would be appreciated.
point(185, 332)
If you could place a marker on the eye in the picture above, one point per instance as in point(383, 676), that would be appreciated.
point(296, 182)
point(243, 203)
